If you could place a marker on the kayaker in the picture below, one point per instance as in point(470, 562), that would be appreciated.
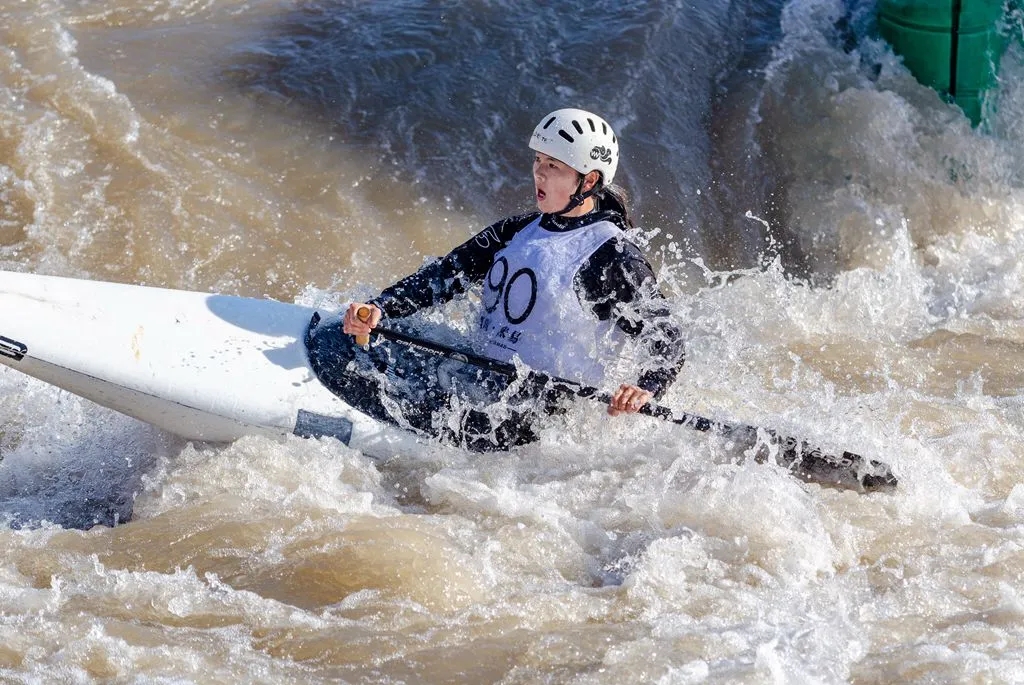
point(562, 288)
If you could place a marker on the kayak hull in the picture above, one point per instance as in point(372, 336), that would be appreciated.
point(203, 366)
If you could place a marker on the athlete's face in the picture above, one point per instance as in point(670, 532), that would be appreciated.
point(554, 183)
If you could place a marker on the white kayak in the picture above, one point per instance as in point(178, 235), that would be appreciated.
point(203, 366)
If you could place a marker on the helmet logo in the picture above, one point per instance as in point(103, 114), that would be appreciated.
point(602, 153)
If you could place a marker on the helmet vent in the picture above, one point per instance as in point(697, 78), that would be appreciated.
point(550, 121)
point(593, 128)
point(576, 125)
point(565, 135)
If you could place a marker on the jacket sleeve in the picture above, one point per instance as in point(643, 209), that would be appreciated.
point(619, 284)
point(441, 279)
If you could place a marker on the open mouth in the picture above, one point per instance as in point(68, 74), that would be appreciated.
point(541, 195)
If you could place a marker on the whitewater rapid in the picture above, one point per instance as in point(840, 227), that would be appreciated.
point(840, 246)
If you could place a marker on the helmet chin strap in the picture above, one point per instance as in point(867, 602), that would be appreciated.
point(579, 197)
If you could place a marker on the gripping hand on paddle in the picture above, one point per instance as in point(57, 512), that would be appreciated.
point(359, 320)
point(628, 399)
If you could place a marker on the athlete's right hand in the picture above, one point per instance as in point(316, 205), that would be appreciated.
point(354, 325)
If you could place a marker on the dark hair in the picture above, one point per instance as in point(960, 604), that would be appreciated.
point(615, 198)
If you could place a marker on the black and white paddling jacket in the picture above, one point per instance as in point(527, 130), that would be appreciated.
point(565, 295)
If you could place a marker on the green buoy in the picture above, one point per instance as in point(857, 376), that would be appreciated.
point(953, 46)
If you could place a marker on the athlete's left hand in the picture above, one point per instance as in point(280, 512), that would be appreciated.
point(628, 399)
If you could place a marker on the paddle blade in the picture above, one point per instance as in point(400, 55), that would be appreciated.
point(848, 470)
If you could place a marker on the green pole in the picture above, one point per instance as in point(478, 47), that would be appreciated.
point(953, 46)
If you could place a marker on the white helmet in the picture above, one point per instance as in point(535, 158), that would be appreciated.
point(583, 141)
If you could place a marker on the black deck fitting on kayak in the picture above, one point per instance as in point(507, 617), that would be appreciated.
point(12, 348)
point(312, 425)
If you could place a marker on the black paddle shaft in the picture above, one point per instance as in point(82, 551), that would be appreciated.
point(806, 461)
